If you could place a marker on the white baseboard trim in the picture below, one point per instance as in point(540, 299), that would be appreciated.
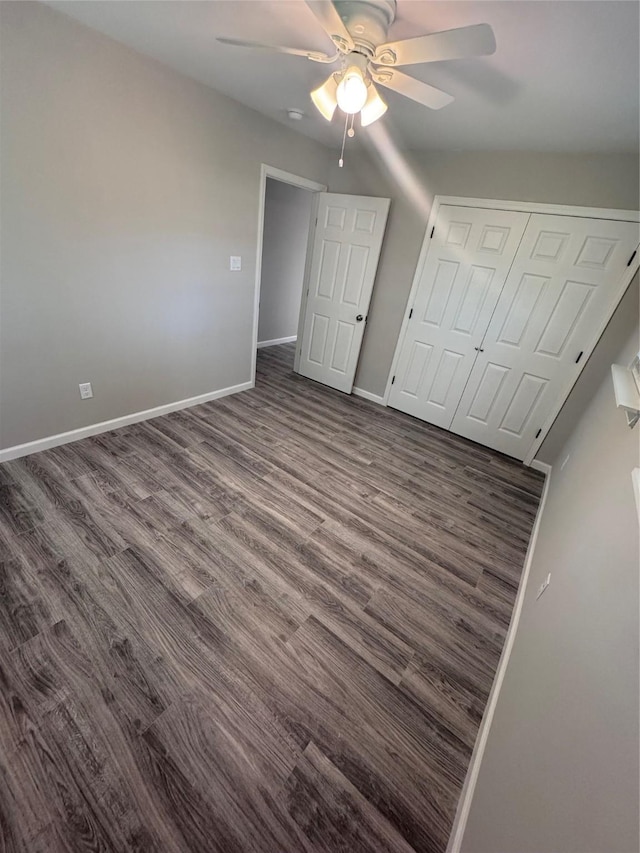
point(468, 790)
point(19, 450)
point(367, 395)
point(276, 341)
point(537, 465)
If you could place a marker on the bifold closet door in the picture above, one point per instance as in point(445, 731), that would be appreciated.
point(469, 257)
point(564, 280)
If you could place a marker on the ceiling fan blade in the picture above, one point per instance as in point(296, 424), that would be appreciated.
point(313, 55)
point(418, 91)
point(331, 22)
point(477, 40)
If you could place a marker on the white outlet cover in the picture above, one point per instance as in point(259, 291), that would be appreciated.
point(235, 263)
point(86, 391)
point(544, 585)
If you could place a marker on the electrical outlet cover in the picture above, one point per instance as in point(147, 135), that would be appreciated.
point(544, 585)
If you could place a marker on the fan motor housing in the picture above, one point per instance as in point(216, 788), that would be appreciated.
point(367, 21)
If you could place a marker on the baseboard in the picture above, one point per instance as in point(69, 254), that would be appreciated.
point(276, 341)
point(19, 450)
point(367, 395)
point(537, 465)
point(468, 790)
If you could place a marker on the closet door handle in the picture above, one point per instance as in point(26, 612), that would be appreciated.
point(478, 349)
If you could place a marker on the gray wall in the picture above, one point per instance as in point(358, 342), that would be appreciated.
point(287, 212)
point(125, 188)
point(560, 771)
point(589, 180)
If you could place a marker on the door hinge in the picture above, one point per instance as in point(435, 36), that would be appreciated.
point(580, 354)
point(432, 230)
point(393, 380)
point(411, 313)
point(631, 258)
point(539, 431)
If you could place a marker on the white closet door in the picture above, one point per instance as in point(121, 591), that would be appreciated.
point(346, 247)
point(465, 270)
point(564, 280)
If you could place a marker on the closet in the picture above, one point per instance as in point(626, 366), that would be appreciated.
point(505, 308)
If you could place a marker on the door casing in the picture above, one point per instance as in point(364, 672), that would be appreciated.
point(522, 207)
point(267, 171)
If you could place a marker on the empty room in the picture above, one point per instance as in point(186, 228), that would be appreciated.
point(319, 443)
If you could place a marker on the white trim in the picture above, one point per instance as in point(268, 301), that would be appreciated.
point(305, 279)
point(267, 171)
point(468, 790)
point(533, 207)
point(276, 341)
point(367, 395)
point(538, 465)
point(19, 450)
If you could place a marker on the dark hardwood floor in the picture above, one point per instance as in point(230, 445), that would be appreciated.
point(268, 623)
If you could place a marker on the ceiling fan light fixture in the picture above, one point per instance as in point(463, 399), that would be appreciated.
point(373, 109)
point(352, 91)
point(324, 97)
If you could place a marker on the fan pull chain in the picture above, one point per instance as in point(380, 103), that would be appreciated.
point(351, 132)
point(344, 136)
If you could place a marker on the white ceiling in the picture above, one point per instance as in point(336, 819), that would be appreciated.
point(564, 76)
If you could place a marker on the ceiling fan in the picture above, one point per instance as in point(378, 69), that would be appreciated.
point(358, 29)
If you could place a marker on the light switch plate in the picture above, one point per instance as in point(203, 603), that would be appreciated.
point(235, 263)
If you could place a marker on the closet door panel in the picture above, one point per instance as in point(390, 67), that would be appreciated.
point(465, 270)
point(564, 279)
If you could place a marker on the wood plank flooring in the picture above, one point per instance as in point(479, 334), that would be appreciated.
point(268, 623)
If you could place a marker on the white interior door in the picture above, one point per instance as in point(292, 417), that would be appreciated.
point(467, 264)
point(564, 280)
point(345, 251)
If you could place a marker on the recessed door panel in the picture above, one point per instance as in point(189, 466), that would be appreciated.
point(413, 380)
point(441, 290)
point(572, 302)
point(469, 257)
point(523, 304)
point(564, 280)
point(345, 248)
point(342, 347)
point(522, 404)
point(326, 280)
point(486, 392)
point(355, 274)
point(443, 381)
point(475, 293)
point(318, 338)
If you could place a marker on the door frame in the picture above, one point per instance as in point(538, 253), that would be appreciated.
point(267, 171)
point(520, 207)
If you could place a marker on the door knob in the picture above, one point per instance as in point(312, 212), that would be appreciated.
point(359, 318)
point(478, 349)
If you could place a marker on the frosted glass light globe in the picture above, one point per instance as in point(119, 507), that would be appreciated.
point(352, 92)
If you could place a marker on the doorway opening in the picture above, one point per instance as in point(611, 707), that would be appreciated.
point(287, 204)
